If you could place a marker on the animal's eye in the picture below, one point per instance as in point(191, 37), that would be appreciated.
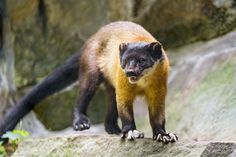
point(142, 60)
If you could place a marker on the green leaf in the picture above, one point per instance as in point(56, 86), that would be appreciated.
point(23, 133)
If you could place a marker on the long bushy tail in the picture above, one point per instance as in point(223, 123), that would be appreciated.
point(62, 77)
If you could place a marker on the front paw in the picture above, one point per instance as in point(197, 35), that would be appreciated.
point(131, 133)
point(165, 137)
point(134, 134)
point(81, 122)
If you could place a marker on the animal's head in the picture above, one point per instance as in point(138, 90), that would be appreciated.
point(137, 59)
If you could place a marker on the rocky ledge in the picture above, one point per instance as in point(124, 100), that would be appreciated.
point(105, 145)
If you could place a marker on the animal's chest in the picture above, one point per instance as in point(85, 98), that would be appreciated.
point(147, 85)
point(142, 87)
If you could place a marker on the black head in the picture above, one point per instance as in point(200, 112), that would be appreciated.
point(138, 58)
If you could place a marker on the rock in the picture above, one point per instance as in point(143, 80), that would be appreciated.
point(220, 149)
point(105, 145)
point(176, 23)
point(201, 98)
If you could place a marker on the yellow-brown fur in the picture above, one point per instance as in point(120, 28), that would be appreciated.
point(102, 49)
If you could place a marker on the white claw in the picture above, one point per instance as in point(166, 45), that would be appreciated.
point(76, 127)
point(130, 135)
point(81, 126)
point(165, 139)
point(135, 134)
point(172, 137)
point(159, 137)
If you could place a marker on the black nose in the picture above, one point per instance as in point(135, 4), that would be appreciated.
point(130, 73)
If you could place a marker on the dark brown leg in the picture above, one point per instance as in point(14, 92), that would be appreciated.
point(128, 123)
point(111, 125)
point(127, 118)
point(125, 110)
point(88, 85)
point(156, 107)
point(157, 119)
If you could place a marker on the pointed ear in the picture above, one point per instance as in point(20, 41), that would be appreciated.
point(122, 48)
point(155, 49)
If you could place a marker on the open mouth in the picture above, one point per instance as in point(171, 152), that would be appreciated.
point(133, 79)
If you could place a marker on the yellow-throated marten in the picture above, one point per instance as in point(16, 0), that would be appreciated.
point(129, 61)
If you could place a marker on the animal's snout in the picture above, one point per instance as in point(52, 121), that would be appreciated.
point(130, 73)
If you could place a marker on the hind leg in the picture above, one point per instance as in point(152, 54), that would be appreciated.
point(111, 125)
point(88, 85)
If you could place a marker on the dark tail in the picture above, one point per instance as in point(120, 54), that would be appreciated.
point(62, 77)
